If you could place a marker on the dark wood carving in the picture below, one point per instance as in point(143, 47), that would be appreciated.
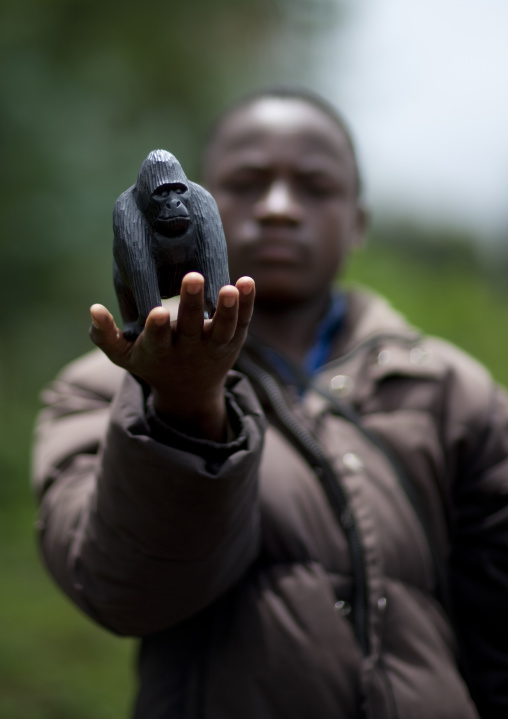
point(164, 226)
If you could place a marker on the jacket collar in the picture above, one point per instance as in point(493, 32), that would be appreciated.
point(369, 317)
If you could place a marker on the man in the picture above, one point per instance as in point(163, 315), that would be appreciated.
point(353, 562)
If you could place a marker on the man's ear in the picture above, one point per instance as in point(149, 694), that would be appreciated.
point(361, 225)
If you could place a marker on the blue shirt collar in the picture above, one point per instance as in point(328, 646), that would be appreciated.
point(318, 354)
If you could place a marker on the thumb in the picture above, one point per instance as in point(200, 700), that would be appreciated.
point(105, 334)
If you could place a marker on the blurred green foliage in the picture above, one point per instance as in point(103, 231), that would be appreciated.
point(86, 90)
point(444, 284)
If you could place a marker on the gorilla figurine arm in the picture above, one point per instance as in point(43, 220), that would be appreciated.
point(211, 250)
point(134, 269)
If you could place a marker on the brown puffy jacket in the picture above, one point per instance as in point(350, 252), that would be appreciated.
point(310, 576)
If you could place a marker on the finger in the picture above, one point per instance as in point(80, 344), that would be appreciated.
point(247, 291)
point(103, 329)
point(157, 332)
point(223, 327)
point(192, 308)
point(105, 334)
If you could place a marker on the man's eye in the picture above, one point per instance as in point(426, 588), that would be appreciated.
point(322, 190)
point(244, 186)
point(318, 191)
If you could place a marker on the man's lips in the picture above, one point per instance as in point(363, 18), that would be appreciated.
point(277, 248)
point(276, 253)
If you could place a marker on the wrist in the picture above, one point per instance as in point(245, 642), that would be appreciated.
point(206, 419)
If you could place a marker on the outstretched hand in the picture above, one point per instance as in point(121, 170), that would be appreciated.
point(184, 362)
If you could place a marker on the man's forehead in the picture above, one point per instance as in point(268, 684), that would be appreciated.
point(279, 116)
point(290, 124)
point(282, 113)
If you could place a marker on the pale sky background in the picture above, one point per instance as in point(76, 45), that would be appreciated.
point(424, 85)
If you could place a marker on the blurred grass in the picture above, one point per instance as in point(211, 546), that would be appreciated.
point(53, 662)
point(443, 287)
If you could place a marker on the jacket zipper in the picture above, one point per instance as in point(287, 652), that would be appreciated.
point(411, 492)
point(321, 465)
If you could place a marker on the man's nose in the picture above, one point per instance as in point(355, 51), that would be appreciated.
point(279, 204)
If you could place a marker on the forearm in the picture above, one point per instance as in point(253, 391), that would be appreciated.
point(151, 533)
point(206, 418)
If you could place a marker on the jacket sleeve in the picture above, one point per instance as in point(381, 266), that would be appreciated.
point(479, 531)
point(142, 528)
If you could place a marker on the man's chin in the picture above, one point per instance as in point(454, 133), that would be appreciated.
point(277, 298)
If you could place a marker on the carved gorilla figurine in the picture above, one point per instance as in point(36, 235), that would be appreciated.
point(164, 226)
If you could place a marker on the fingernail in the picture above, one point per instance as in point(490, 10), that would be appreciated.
point(193, 288)
point(229, 300)
point(247, 286)
point(160, 318)
point(94, 308)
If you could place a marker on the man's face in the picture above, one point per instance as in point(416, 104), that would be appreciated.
point(285, 182)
